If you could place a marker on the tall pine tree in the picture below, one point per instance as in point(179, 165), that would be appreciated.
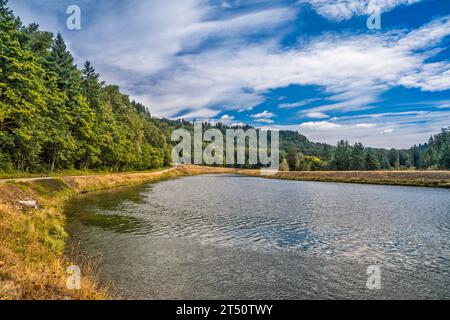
point(91, 85)
point(82, 116)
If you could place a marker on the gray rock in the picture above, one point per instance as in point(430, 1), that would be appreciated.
point(29, 204)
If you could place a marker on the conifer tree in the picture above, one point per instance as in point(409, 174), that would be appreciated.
point(372, 162)
point(91, 85)
point(39, 41)
point(60, 61)
point(358, 157)
point(82, 116)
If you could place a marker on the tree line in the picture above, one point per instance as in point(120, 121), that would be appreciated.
point(433, 155)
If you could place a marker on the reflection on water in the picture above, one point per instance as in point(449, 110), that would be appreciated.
point(234, 237)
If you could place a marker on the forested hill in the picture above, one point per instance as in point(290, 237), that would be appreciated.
point(54, 116)
point(300, 154)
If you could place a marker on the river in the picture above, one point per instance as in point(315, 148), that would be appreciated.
point(238, 237)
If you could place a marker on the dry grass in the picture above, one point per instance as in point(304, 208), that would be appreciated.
point(406, 178)
point(32, 261)
point(32, 245)
point(196, 170)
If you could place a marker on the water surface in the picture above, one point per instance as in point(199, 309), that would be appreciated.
point(237, 237)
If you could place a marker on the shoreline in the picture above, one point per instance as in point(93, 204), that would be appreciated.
point(418, 178)
point(431, 179)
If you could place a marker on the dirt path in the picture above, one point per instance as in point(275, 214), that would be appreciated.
point(55, 177)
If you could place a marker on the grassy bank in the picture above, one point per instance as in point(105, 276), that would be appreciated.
point(33, 262)
point(402, 178)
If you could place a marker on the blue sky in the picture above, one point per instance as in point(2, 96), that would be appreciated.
point(306, 65)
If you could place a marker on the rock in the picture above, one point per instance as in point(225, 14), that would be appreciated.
point(29, 204)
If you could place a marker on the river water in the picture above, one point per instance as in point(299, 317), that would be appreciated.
point(237, 237)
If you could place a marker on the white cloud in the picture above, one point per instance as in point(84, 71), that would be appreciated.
point(345, 9)
point(144, 37)
point(326, 125)
point(297, 104)
point(364, 126)
point(263, 120)
point(245, 109)
point(354, 70)
point(226, 117)
point(320, 126)
point(430, 77)
point(385, 130)
point(146, 47)
point(265, 115)
point(426, 36)
point(317, 115)
point(200, 114)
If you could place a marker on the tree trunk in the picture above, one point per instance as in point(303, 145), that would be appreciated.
point(52, 166)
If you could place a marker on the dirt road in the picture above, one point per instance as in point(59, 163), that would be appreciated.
point(49, 178)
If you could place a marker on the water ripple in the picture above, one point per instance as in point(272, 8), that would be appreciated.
point(239, 237)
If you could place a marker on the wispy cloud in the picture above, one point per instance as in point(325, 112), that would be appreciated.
point(430, 77)
point(345, 9)
point(227, 118)
point(297, 104)
point(355, 70)
point(264, 120)
point(198, 59)
point(386, 130)
point(319, 126)
point(265, 114)
point(153, 53)
point(317, 115)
